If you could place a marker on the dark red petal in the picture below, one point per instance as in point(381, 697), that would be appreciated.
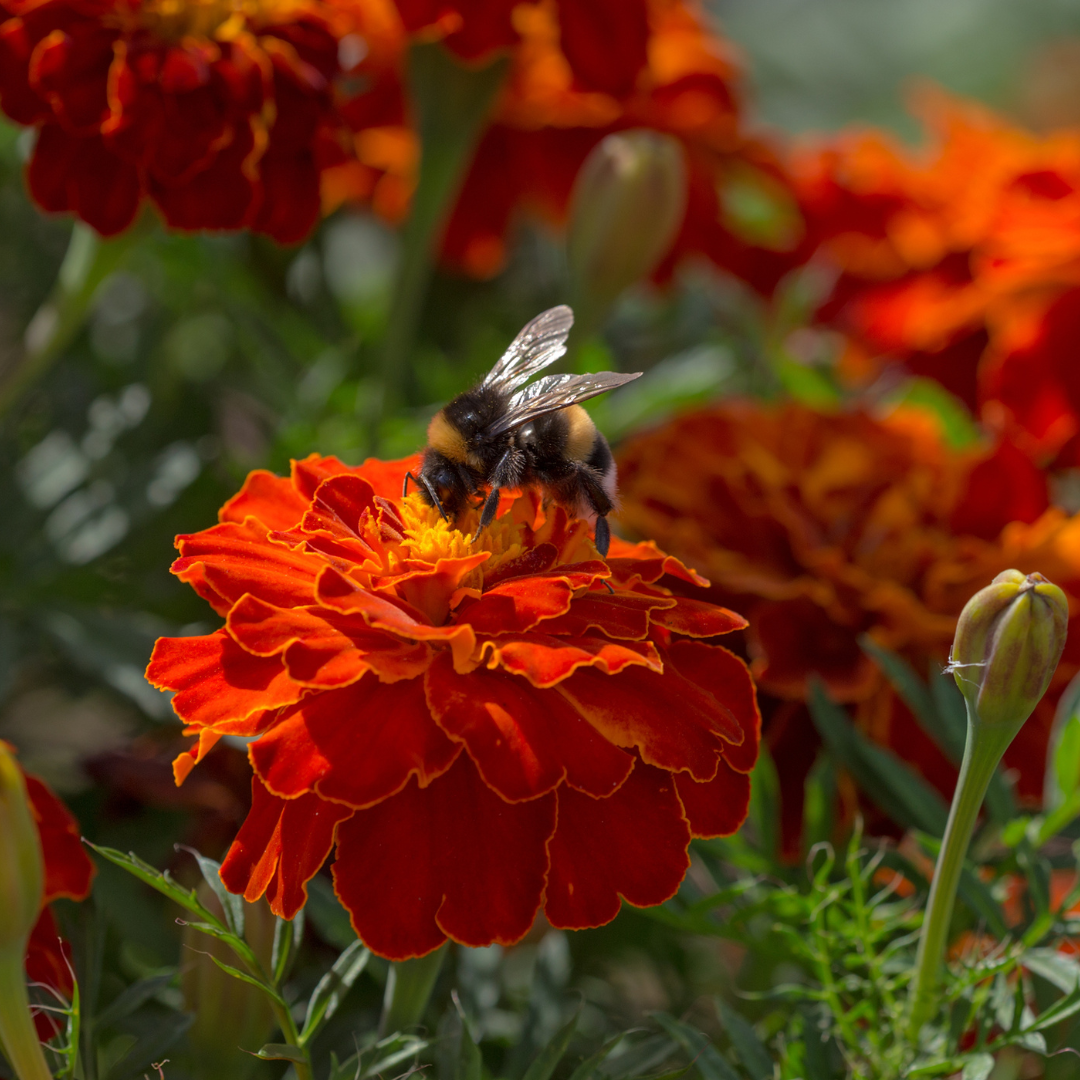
point(226, 561)
point(449, 860)
point(272, 499)
point(68, 869)
point(280, 848)
point(290, 197)
point(545, 661)
point(672, 722)
point(696, 618)
point(718, 807)
point(605, 41)
point(727, 678)
point(524, 741)
point(632, 844)
point(47, 960)
point(308, 474)
point(215, 680)
point(518, 605)
point(357, 745)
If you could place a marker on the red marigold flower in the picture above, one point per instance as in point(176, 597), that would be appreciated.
point(222, 114)
point(482, 729)
point(824, 527)
point(579, 71)
point(69, 872)
point(961, 260)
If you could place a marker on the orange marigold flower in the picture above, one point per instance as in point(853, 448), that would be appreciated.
point(481, 728)
point(221, 112)
point(69, 872)
point(824, 527)
point(961, 259)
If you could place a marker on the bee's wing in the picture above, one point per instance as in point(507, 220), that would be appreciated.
point(556, 392)
point(540, 343)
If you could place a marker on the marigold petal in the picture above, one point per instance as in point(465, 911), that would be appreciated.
point(632, 844)
point(644, 563)
point(606, 42)
point(524, 742)
point(271, 499)
point(672, 722)
point(727, 679)
point(216, 680)
point(624, 615)
point(545, 661)
point(337, 506)
point(449, 860)
point(308, 474)
point(517, 605)
point(718, 807)
point(47, 962)
point(186, 761)
point(280, 847)
point(358, 745)
point(226, 561)
point(699, 619)
point(68, 869)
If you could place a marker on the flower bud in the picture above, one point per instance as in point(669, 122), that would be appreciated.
point(628, 201)
point(1008, 642)
point(22, 874)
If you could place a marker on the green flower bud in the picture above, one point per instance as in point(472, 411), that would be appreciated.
point(1008, 643)
point(628, 202)
point(22, 872)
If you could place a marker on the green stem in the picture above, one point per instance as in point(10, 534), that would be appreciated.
point(89, 260)
point(291, 1036)
point(18, 1037)
point(451, 103)
point(982, 751)
point(408, 990)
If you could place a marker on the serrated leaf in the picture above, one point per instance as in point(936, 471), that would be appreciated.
point(704, 1057)
point(750, 1049)
point(886, 780)
point(978, 1067)
point(231, 904)
point(159, 880)
point(550, 1056)
point(332, 988)
point(281, 1052)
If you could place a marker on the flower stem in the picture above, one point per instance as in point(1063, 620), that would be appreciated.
point(982, 751)
point(88, 261)
point(408, 990)
point(451, 103)
point(18, 1037)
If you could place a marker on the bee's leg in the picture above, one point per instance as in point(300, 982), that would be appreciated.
point(603, 535)
point(491, 504)
point(426, 484)
point(405, 484)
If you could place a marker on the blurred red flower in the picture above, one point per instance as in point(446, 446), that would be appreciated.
point(578, 72)
point(824, 527)
point(69, 872)
point(222, 114)
point(960, 260)
point(482, 729)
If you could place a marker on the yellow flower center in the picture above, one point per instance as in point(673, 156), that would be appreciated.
point(428, 538)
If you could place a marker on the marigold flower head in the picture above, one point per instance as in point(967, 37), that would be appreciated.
point(823, 527)
point(67, 873)
point(222, 112)
point(960, 259)
point(481, 727)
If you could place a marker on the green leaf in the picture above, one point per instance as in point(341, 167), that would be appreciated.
point(1063, 1008)
point(752, 1052)
point(548, 1058)
point(159, 880)
point(1056, 968)
point(330, 919)
point(131, 998)
point(150, 1046)
point(887, 781)
point(332, 988)
point(236, 973)
point(765, 804)
point(916, 695)
point(1063, 754)
point(232, 904)
point(470, 1064)
point(978, 1067)
point(282, 1052)
point(704, 1057)
point(819, 801)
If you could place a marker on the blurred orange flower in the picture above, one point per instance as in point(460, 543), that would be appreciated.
point(220, 112)
point(482, 728)
point(960, 260)
point(824, 527)
point(578, 72)
point(69, 872)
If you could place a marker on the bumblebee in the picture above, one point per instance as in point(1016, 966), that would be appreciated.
point(508, 432)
